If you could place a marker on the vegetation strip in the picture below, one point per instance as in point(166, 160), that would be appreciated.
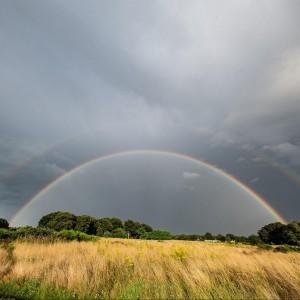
point(67, 226)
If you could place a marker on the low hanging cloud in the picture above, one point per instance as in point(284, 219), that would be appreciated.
point(190, 175)
point(286, 151)
point(198, 75)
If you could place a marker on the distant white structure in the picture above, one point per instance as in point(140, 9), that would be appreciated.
point(212, 241)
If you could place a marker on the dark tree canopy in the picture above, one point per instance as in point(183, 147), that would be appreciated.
point(102, 226)
point(133, 228)
point(274, 233)
point(116, 223)
point(278, 233)
point(4, 223)
point(58, 221)
point(271, 233)
point(220, 238)
point(208, 236)
point(85, 224)
point(147, 227)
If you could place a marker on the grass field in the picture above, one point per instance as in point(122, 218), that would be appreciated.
point(135, 269)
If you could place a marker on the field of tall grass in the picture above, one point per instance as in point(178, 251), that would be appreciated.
point(136, 269)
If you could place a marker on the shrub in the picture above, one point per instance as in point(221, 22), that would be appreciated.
point(28, 231)
point(254, 239)
point(157, 235)
point(73, 235)
point(107, 234)
point(282, 248)
point(119, 233)
point(264, 246)
point(5, 234)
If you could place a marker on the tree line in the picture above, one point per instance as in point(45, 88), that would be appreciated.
point(83, 227)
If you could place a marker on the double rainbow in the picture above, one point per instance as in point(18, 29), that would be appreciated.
point(197, 161)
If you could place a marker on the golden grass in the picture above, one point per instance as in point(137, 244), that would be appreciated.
point(116, 268)
point(5, 263)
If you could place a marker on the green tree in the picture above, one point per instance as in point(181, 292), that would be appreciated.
point(133, 228)
point(208, 236)
point(291, 234)
point(254, 239)
point(5, 234)
point(119, 233)
point(103, 226)
point(146, 227)
point(4, 223)
point(85, 224)
point(230, 237)
point(116, 223)
point(58, 221)
point(157, 235)
point(272, 233)
point(220, 238)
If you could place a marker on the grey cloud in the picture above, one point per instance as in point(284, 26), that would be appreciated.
point(189, 175)
point(287, 151)
point(201, 77)
point(254, 180)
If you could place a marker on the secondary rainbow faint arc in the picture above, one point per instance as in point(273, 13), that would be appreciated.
point(257, 197)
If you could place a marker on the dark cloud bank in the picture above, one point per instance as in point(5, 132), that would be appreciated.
point(216, 80)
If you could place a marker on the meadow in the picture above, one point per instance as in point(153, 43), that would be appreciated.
point(138, 269)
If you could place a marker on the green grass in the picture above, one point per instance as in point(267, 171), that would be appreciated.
point(32, 289)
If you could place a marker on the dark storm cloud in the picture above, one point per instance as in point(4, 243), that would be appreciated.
point(226, 72)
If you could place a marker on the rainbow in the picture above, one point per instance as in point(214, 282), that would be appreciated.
point(197, 161)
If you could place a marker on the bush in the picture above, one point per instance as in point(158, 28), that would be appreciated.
point(254, 239)
point(5, 234)
point(264, 246)
point(4, 223)
point(119, 233)
point(287, 248)
point(282, 248)
point(73, 235)
point(157, 235)
point(28, 231)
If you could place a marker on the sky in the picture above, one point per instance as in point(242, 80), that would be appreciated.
point(216, 80)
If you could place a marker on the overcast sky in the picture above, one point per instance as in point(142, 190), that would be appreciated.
point(218, 80)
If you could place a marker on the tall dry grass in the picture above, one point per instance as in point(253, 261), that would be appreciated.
point(115, 268)
point(5, 262)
